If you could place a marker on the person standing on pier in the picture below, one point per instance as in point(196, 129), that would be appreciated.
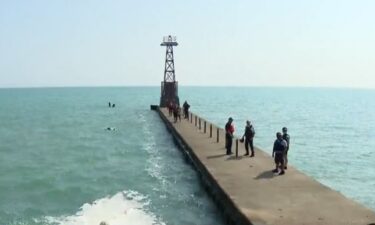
point(174, 111)
point(186, 107)
point(179, 113)
point(279, 148)
point(229, 130)
point(286, 137)
point(249, 136)
point(170, 108)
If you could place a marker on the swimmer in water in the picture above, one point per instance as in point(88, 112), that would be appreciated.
point(111, 128)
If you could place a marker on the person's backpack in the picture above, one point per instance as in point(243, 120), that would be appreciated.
point(252, 131)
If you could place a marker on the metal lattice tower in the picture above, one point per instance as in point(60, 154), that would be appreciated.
point(169, 73)
point(169, 86)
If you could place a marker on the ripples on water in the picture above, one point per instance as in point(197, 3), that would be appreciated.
point(332, 130)
point(59, 165)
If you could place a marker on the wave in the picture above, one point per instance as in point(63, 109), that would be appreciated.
point(127, 207)
point(154, 161)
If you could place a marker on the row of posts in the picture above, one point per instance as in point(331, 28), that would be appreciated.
point(198, 122)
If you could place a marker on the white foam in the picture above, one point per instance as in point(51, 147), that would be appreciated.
point(126, 207)
point(154, 167)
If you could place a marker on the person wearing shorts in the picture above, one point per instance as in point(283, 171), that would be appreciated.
point(278, 153)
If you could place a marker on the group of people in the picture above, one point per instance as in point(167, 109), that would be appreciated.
point(280, 151)
point(175, 110)
point(111, 105)
point(247, 137)
point(280, 147)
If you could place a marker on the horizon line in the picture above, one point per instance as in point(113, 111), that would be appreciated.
point(208, 86)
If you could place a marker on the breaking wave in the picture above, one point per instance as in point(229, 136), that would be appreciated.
point(128, 207)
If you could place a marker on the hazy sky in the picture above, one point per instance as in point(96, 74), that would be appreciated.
point(255, 43)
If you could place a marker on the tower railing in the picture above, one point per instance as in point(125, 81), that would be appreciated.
point(169, 38)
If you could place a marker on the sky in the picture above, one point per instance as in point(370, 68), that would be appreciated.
point(312, 43)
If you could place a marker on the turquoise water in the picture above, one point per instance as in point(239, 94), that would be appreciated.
point(59, 165)
point(57, 157)
point(332, 130)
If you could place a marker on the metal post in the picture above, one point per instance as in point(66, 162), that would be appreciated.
point(210, 130)
point(204, 128)
point(236, 147)
point(191, 117)
point(199, 123)
point(195, 120)
point(217, 135)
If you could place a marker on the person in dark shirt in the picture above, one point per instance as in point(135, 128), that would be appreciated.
point(249, 136)
point(279, 148)
point(175, 113)
point(286, 137)
point(186, 107)
point(179, 113)
point(170, 108)
point(229, 130)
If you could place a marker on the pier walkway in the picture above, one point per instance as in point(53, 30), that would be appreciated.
point(248, 192)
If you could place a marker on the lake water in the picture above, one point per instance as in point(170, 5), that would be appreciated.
point(59, 164)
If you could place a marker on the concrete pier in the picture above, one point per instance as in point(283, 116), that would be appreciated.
point(248, 192)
